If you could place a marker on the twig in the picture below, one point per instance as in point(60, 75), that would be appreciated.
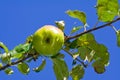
point(76, 58)
point(114, 28)
point(67, 38)
point(96, 24)
point(93, 29)
point(16, 62)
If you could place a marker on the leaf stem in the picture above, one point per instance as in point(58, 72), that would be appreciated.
point(96, 24)
point(4, 47)
point(114, 28)
point(84, 65)
point(93, 29)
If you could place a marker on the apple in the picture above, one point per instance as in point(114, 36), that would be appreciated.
point(48, 40)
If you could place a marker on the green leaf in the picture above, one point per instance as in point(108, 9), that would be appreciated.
point(41, 67)
point(102, 54)
point(119, 12)
point(5, 58)
point(86, 39)
point(73, 44)
point(22, 48)
point(59, 56)
point(23, 68)
point(14, 54)
point(4, 47)
point(60, 69)
point(86, 53)
point(90, 50)
point(105, 58)
point(77, 14)
point(98, 48)
point(107, 9)
point(75, 29)
point(99, 67)
point(83, 52)
point(87, 45)
point(60, 24)
point(1, 65)
point(19, 50)
point(67, 43)
point(118, 38)
point(9, 71)
point(77, 72)
point(90, 56)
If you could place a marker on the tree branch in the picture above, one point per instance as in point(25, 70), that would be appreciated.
point(93, 29)
point(84, 65)
point(67, 38)
point(14, 63)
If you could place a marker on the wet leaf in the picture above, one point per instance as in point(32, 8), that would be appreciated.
point(77, 14)
point(23, 68)
point(41, 67)
point(60, 69)
point(77, 72)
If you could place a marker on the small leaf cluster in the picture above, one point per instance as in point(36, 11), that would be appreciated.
point(16, 56)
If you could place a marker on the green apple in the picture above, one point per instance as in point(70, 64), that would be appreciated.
point(48, 40)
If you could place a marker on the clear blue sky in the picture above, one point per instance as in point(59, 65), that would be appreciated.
point(21, 18)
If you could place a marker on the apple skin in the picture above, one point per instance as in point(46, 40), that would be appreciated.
point(48, 40)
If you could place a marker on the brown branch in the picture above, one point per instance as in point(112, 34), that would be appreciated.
point(14, 63)
point(84, 65)
point(93, 29)
point(67, 38)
